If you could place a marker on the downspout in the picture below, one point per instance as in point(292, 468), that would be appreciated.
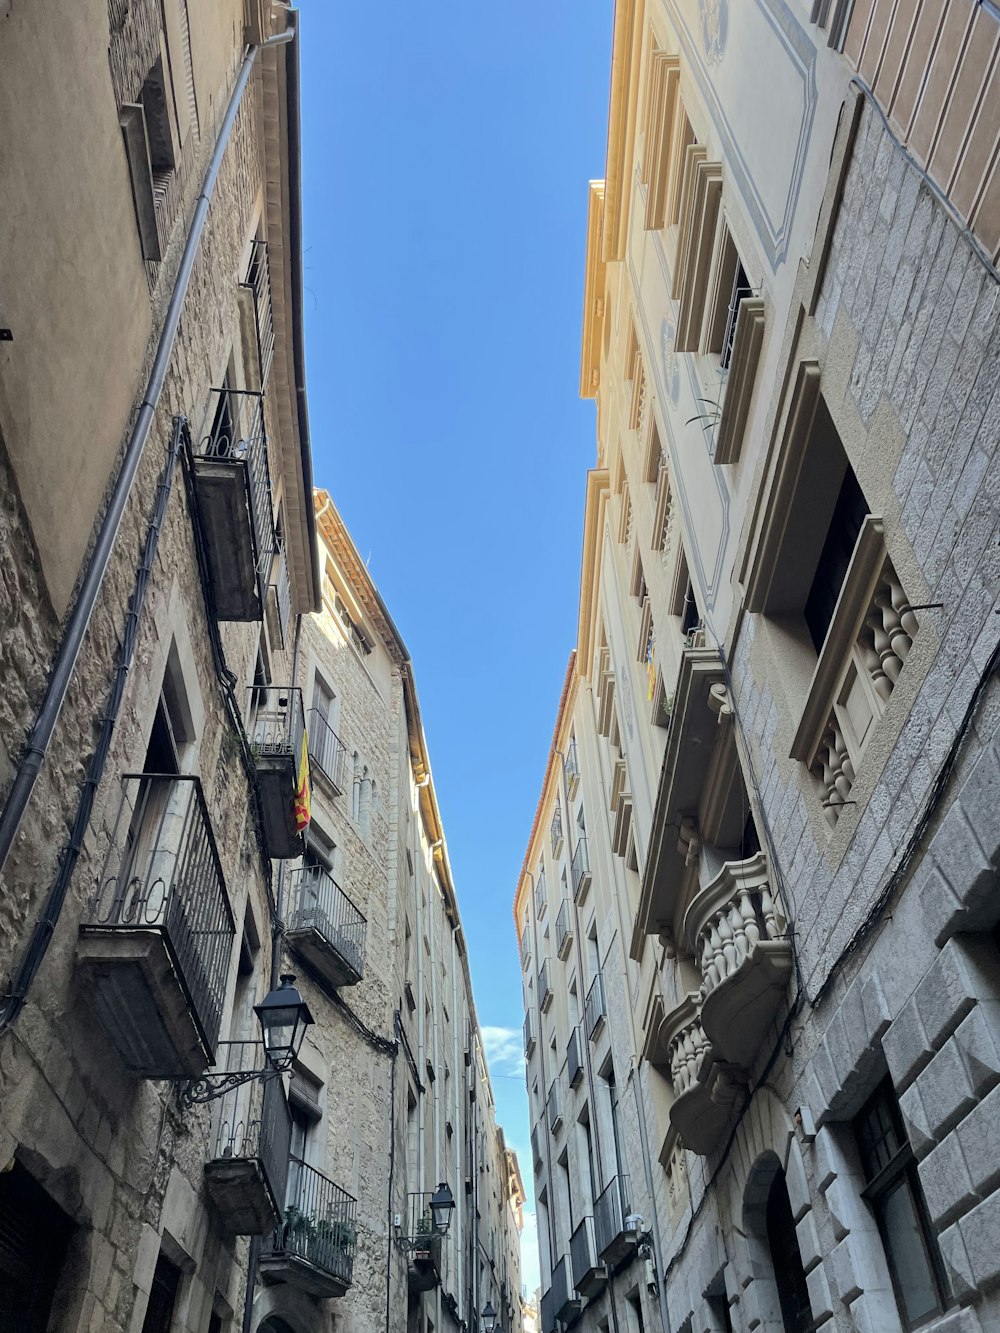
point(64, 663)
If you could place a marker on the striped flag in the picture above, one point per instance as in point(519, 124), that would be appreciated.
point(302, 803)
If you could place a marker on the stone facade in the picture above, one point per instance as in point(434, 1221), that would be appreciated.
point(790, 814)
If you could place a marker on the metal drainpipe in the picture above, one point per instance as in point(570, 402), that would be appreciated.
point(69, 648)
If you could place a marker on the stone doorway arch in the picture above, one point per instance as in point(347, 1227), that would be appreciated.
point(780, 1279)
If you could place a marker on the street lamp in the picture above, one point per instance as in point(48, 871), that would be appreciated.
point(284, 1017)
point(442, 1207)
point(489, 1318)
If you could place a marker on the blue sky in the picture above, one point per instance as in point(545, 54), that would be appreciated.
point(446, 153)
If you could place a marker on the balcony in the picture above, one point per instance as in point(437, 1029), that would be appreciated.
point(276, 729)
point(705, 1089)
point(581, 870)
point(565, 1303)
point(247, 1172)
point(613, 1239)
point(540, 899)
point(424, 1259)
point(530, 1034)
point(546, 1313)
point(736, 930)
point(574, 1058)
point(157, 939)
point(278, 603)
point(536, 1144)
point(544, 988)
point(554, 1106)
point(525, 947)
point(325, 927)
point(313, 1247)
point(257, 325)
point(327, 752)
point(595, 1010)
point(589, 1273)
point(556, 833)
point(235, 506)
point(564, 930)
point(571, 768)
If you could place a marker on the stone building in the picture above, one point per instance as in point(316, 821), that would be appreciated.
point(159, 561)
point(758, 910)
point(391, 1095)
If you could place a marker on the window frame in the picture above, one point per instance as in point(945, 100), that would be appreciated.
point(900, 1171)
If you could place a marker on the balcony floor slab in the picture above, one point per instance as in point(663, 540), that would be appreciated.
point(736, 1014)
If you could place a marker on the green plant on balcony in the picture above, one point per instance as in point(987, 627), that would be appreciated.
point(314, 1236)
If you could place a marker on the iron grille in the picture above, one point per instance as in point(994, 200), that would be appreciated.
point(610, 1212)
point(564, 929)
point(162, 873)
point(254, 1120)
point(580, 864)
point(276, 720)
point(258, 280)
point(320, 1223)
point(595, 1008)
point(327, 750)
point(238, 435)
point(317, 902)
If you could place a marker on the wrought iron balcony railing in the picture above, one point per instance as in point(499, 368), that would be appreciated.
point(571, 767)
point(247, 1171)
point(160, 912)
point(233, 482)
point(564, 929)
point(327, 750)
point(530, 1033)
point(595, 1008)
point(556, 831)
point(574, 1058)
point(314, 1245)
point(610, 1211)
point(275, 729)
point(525, 946)
point(258, 284)
point(581, 869)
point(544, 987)
point(323, 923)
point(554, 1106)
point(540, 900)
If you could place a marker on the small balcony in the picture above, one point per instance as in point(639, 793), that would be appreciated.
point(546, 1313)
point(235, 505)
point(556, 833)
point(157, 939)
point(325, 927)
point(525, 947)
point(571, 768)
point(566, 1305)
point(574, 1058)
point(564, 930)
point(327, 752)
point(247, 1172)
point(424, 1258)
point(530, 1033)
point(544, 988)
point(736, 929)
point(540, 900)
point(581, 870)
point(312, 1249)
point(554, 1106)
point(613, 1239)
point(536, 1144)
point(257, 324)
point(589, 1272)
point(276, 729)
point(705, 1090)
point(595, 1010)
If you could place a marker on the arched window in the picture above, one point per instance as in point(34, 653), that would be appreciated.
point(789, 1275)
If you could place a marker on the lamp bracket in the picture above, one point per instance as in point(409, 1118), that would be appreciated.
point(209, 1087)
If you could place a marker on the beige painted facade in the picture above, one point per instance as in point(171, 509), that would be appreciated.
point(757, 912)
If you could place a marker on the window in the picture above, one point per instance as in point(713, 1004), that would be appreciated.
point(354, 631)
point(894, 1194)
point(162, 1296)
point(33, 1236)
point(849, 512)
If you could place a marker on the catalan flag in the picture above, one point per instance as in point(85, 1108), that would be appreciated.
point(302, 803)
